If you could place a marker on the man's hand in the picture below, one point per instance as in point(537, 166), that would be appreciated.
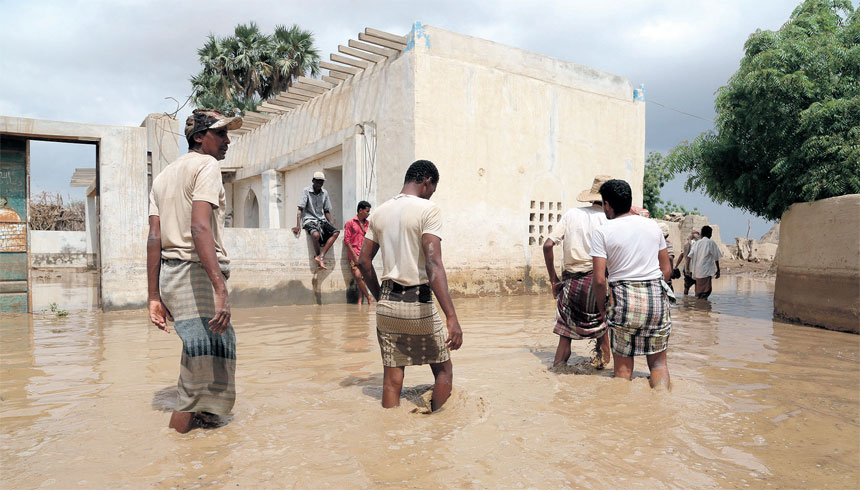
point(296, 230)
point(222, 313)
point(556, 288)
point(455, 334)
point(159, 315)
point(717, 276)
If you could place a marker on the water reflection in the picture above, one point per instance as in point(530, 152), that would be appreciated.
point(755, 402)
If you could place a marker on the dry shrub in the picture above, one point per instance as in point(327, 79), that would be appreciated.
point(47, 212)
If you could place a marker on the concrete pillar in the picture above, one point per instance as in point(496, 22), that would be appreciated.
point(359, 168)
point(162, 140)
point(271, 199)
point(91, 208)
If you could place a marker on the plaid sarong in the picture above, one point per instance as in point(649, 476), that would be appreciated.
point(577, 315)
point(206, 374)
point(408, 326)
point(639, 318)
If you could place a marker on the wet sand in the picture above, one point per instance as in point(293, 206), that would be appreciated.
point(756, 403)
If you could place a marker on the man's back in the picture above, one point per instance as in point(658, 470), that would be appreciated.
point(575, 230)
point(630, 245)
point(702, 257)
point(397, 226)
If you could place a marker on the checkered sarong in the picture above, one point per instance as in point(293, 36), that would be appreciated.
point(206, 374)
point(408, 326)
point(639, 318)
point(577, 315)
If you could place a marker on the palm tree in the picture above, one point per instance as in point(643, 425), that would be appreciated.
point(242, 70)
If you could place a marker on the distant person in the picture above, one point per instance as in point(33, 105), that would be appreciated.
point(577, 314)
point(664, 228)
point(354, 231)
point(315, 217)
point(187, 269)
point(681, 264)
point(632, 248)
point(704, 261)
point(409, 329)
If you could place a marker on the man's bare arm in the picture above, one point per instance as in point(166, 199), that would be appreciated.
point(158, 313)
point(432, 246)
point(549, 259)
point(298, 228)
point(369, 248)
point(599, 284)
point(328, 217)
point(665, 264)
point(204, 245)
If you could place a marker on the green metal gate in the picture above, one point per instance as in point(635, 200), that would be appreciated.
point(14, 263)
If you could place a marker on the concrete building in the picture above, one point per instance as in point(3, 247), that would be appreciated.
point(515, 135)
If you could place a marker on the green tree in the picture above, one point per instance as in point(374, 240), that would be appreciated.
point(788, 121)
point(242, 70)
point(658, 171)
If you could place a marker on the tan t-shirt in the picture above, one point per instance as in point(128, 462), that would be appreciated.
point(397, 226)
point(575, 230)
point(191, 177)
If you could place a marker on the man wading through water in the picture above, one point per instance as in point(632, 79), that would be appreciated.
point(187, 269)
point(407, 230)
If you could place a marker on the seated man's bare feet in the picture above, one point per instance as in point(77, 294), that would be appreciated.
point(319, 260)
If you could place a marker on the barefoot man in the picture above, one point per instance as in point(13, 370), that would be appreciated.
point(187, 268)
point(315, 217)
point(577, 316)
point(407, 230)
point(354, 231)
point(634, 251)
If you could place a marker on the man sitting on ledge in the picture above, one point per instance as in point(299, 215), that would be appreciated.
point(315, 217)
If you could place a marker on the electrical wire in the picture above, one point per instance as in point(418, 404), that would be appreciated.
point(679, 111)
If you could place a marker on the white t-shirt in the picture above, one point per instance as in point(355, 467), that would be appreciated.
point(397, 226)
point(702, 257)
point(575, 229)
point(630, 245)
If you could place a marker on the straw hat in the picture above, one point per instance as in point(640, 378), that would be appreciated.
point(591, 195)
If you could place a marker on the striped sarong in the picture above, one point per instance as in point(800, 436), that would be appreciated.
point(408, 326)
point(577, 315)
point(639, 317)
point(207, 371)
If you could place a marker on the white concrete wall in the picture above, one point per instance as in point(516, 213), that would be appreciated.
point(59, 249)
point(818, 264)
point(507, 127)
point(123, 201)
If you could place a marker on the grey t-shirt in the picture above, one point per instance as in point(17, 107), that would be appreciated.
point(313, 205)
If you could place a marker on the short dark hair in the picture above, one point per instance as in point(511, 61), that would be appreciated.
point(193, 144)
point(707, 231)
point(617, 193)
point(420, 170)
point(362, 205)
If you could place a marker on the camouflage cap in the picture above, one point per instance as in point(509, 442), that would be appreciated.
point(203, 119)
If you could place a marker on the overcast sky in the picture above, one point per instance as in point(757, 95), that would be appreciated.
point(115, 62)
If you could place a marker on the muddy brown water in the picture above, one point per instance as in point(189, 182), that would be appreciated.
point(755, 403)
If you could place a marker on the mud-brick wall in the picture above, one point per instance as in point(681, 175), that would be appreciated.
point(818, 264)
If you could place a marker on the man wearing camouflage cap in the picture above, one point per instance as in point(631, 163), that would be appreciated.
point(187, 269)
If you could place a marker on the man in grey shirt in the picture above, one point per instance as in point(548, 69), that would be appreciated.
point(315, 217)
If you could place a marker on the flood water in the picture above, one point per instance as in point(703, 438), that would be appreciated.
point(755, 403)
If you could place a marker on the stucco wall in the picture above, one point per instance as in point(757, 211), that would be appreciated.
point(818, 264)
point(123, 200)
point(59, 249)
point(515, 133)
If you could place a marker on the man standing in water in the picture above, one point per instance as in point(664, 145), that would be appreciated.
point(701, 261)
point(686, 273)
point(187, 268)
point(407, 230)
point(315, 217)
point(354, 231)
point(632, 248)
point(577, 316)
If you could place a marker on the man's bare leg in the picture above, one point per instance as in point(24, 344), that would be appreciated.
point(659, 367)
point(315, 239)
point(603, 345)
point(328, 245)
point(362, 287)
point(444, 374)
point(622, 366)
point(392, 384)
point(181, 421)
point(562, 352)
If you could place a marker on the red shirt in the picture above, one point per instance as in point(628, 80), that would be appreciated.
point(354, 232)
